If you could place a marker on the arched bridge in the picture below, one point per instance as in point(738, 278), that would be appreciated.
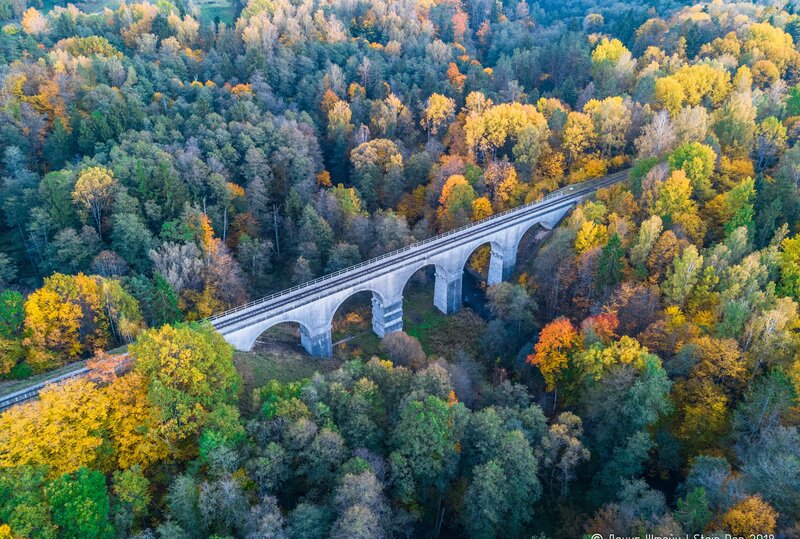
point(313, 304)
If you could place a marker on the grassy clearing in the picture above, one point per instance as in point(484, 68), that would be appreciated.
point(352, 330)
point(258, 368)
point(440, 334)
point(209, 11)
point(445, 336)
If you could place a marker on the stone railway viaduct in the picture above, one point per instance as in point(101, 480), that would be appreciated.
point(312, 305)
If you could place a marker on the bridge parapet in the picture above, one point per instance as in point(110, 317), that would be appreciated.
point(314, 304)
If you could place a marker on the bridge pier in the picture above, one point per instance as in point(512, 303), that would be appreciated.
point(387, 315)
point(318, 341)
point(501, 263)
point(447, 290)
point(313, 305)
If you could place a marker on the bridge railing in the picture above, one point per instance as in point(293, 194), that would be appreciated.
point(555, 194)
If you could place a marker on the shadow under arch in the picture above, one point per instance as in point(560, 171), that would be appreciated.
point(282, 334)
point(352, 298)
point(418, 289)
point(529, 237)
point(357, 320)
point(479, 261)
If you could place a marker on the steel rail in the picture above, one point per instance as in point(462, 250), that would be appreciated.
point(563, 197)
point(31, 392)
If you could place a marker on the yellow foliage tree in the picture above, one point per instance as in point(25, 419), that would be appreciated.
point(66, 316)
point(440, 108)
point(608, 50)
point(751, 515)
point(456, 202)
point(611, 119)
point(590, 235)
point(449, 185)
point(191, 372)
point(597, 360)
point(690, 85)
point(771, 42)
point(33, 22)
point(133, 423)
point(701, 81)
point(93, 192)
point(668, 93)
point(63, 429)
point(481, 208)
point(490, 129)
point(503, 184)
point(205, 237)
point(674, 196)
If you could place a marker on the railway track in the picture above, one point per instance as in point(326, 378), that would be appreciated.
point(31, 392)
point(352, 275)
point(374, 267)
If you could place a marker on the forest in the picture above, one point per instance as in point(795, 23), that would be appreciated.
point(162, 162)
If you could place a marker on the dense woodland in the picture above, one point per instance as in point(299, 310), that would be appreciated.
point(639, 374)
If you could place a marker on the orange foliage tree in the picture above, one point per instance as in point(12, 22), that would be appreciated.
point(550, 354)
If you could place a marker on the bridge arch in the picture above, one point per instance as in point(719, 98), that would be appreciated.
point(341, 299)
point(494, 246)
point(315, 303)
point(523, 233)
point(284, 332)
point(412, 271)
point(245, 338)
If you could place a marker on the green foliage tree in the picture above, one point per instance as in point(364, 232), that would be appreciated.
point(80, 505)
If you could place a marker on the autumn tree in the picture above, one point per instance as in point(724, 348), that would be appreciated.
point(590, 235)
point(674, 196)
point(611, 119)
point(93, 192)
point(64, 317)
point(790, 267)
point(134, 423)
point(749, 515)
point(456, 202)
point(33, 22)
point(62, 430)
point(556, 340)
point(697, 161)
point(378, 171)
point(191, 372)
point(669, 94)
point(768, 143)
point(502, 184)
point(489, 130)
point(404, 350)
point(438, 111)
point(579, 136)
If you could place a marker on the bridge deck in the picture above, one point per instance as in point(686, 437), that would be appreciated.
point(238, 317)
